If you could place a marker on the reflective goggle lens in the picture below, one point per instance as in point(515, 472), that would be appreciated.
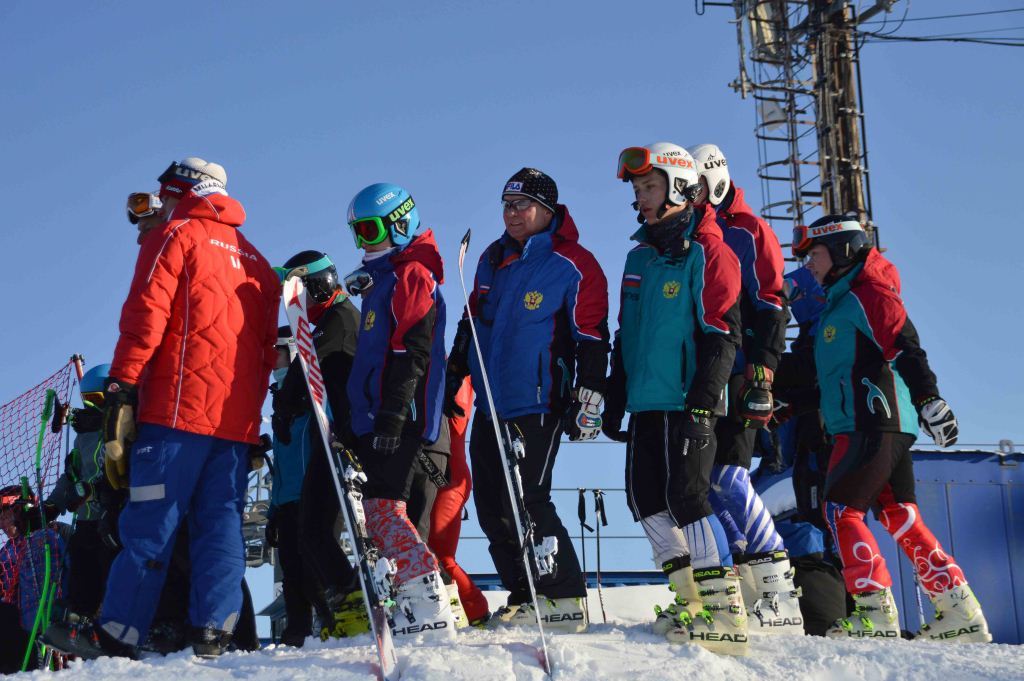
point(801, 243)
point(93, 398)
point(634, 160)
point(141, 205)
point(368, 231)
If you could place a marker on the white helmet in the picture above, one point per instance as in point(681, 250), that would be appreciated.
point(712, 167)
point(672, 159)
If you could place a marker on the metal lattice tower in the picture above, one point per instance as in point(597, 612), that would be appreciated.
point(800, 63)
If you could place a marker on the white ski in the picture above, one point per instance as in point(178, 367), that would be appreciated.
point(531, 560)
point(375, 571)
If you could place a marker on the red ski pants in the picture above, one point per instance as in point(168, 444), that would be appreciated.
point(864, 568)
point(446, 515)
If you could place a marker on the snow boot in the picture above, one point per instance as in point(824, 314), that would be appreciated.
point(422, 607)
point(776, 609)
point(721, 624)
point(565, 615)
point(348, 617)
point(208, 642)
point(874, 616)
point(687, 598)
point(958, 618)
point(455, 603)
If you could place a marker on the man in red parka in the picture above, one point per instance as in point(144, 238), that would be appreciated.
point(190, 369)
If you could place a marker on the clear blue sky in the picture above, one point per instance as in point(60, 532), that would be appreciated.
point(306, 103)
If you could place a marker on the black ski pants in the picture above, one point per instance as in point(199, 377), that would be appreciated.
point(659, 476)
point(299, 586)
point(317, 526)
point(89, 562)
point(541, 433)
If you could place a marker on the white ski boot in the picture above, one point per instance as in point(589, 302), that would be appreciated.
point(422, 607)
point(776, 608)
point(721, 625)
point(958, 618)
point(565, 615)
point(687, 600)
point(455, 602)
point(875, 616)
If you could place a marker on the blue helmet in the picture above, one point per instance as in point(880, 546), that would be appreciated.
point(92, 381)
point(391, 207)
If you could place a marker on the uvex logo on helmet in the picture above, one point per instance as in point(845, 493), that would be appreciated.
point(674, 158)
point(822, 230)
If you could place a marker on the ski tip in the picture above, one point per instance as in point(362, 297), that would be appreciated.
point(465, 238)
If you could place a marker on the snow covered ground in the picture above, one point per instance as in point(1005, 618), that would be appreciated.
point(622, 649)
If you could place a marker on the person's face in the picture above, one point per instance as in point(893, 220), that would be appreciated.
point(702, 195)
point(147, 223)
point(382, 246)
point(168, 208)
point(819, 262)
point(7, 523)
point(523, 223)
point(283, 358)
point(651, 191)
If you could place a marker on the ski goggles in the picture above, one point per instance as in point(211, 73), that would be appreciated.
point(94, 399)
point(142, 205)
point(358, 282)
point(804, 236)
point(368, 231)
point(634, 161)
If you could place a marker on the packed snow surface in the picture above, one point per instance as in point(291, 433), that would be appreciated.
point(622, 649)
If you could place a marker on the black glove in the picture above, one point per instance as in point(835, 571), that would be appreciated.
point(87, 419)
point(60, 415)
point(80, 493)
point(120, 400)
point(270, 533)
point(583, 421)
point(258, 452)
point(387, 432)
point(756, 396)
point(452, 386)
point(696, 427)
point(611, 426)
point(51, 511)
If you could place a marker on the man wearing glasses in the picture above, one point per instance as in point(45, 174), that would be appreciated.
point(540, 301)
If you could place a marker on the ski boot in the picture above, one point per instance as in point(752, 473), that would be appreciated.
point(208, 642)
point(461, 621)
point(958, 618)
point(687, 598)
point(776, 608)
point(348, 616)
point(86, 640)
point(874, 616)
point(721, 625)
point(423, 607)
point(565, 615)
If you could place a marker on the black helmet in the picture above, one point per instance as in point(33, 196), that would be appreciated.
point(321, 277)
point(842, 235)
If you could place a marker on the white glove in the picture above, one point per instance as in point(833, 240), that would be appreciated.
point(584, 417)
point(938, 421)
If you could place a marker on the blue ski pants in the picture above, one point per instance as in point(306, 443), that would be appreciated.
point(174, 474)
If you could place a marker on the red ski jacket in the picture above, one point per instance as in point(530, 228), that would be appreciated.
point(199, 325)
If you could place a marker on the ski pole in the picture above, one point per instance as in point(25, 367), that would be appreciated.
point(920, 605)
point(581, 511)
point(600, 519)
point(506, 460)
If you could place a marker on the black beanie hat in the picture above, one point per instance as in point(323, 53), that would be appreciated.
point(534, 184)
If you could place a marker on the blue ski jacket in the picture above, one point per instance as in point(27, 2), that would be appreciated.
point(542, 319)
point(399, 365)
